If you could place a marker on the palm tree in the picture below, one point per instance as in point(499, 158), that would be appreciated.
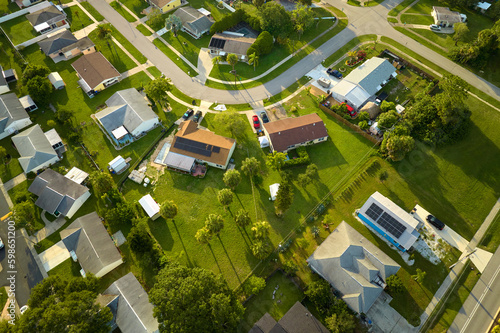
point(232, 59)
point(174, 23)
point(300, 30)
point(104, 33)
point(217, 60)
point(253, 59)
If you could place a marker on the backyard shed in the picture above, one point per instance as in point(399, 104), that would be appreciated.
point(117, 165)
point(372, 109)
point(27, 103)
point(56, 80)
point(374, 129)
point(150, 206)
point(273, 189)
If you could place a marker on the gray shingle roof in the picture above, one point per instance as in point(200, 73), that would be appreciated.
point(48, 14)
point(33, 147)
point(371, 74)
point(91, 242)
point(10, 110)
point(3, 74)
point(55, 43)
point(134, 313)
point(125, 108)
point(56, 192)
point(193, 20)
point(353, 265)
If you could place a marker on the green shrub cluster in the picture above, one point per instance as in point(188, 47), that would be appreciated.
point(262, 45)
point(230, 20)
point(302, 159)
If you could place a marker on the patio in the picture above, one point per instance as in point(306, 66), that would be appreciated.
point(199, 171)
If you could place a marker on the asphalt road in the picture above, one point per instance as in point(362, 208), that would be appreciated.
point(483, 303)
point(4, 206)
point(362, 21)
point(26, 271)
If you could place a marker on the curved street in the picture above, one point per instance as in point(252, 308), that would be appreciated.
point(362, 21)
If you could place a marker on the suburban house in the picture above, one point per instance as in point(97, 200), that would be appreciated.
point(63, 46)
point(88, 242)
point(445, 17)
point(230, 42)
point(390, 220)
point(95, 72)
point(28, 103)
point(483, 6)
point(57, 194)
point(27, 3)
point(354, 266)
point(13, 116)
point(35, 149)
point(199, 145)
point(150, 206)
point(194, 22)
point(48, 19)
point(9, 75)
point(129, 304)
point(290, 133)
point(165, 5)
point(55, 141)
point(4, 85)
point(297, 320)
point(363, 82)
point(128, 116)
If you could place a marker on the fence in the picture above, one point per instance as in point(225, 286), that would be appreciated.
point(350, 125)
point(406, 63)
point(25, 11)
point(39, 38)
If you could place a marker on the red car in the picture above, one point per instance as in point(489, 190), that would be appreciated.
point(350, 110)
point(256, 122)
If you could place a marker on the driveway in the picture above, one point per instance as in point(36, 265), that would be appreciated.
point(362, 21)
point(387, 320)
point(26, 271)
point(54, 255)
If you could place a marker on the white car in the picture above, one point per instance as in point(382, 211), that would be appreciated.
point(1, 244)
point(435, 27)
point(23, 309)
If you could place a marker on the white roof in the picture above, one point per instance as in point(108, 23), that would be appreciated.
point(76, 175)
point(41, 26)
point(116, 161)
point(400, 108)
point(483, 5)
point(356, 95)
point(264, 141)
point(26, 101)
point(54, 77)
point(410, 224)
point(204, 11)
point(178, 161)
point(119, 133)
point(150, 206)
point(53, 136)
point(273, 189)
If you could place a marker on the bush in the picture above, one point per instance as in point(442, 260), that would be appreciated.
point(139, 239)
point(302, 159)
point(364, 125)
point(254, 285)
point(364, 116)
point(394, 284)
point(290, 267)
point(230, 20)
point(262, 45)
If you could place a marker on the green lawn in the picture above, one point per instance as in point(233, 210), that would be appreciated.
point(187, 45)
point(3, 297)
point(145, 31)
point(444, 40)
point(417, 19)
point(405, 86)
point(12, 168)
point(423, 7)
point(179, 94)
point(339, 13)
point(92, 11)
point(114, 54)
point(396, 10)
point(211, 6)
point(77, 17)
point(128, 46)
point(235, 107)
point(491, 241)
point(178, 61)
point(136, 6)
point(37, 222)
point(122, 11)
point(7, 7)
point(287, 295)
point(455, 301)
point(392, 20)
point(19, 29)
point(154, 71)
point(347, 47)
point(67, 269)
point(287, 92)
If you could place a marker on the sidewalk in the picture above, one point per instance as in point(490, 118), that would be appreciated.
point(50, 228)
point(10, 184)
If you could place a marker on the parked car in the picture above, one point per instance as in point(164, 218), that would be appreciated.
point(1, 244)
point(256, 122)
point(334, 72)
point(350, 110)
point(188, 114)
point(263, 115)
point(197, 116)
point(435, 27)
point(435, 222)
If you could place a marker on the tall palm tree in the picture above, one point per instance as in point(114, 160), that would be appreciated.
point(174, 23)
point(253, 59)
point(104, 33)
point(232, 59)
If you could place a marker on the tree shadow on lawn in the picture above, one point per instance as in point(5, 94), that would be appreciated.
point(215, 258)
point(229, 259)
point(161, 231)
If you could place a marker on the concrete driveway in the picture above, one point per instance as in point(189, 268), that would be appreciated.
point(54, 255)
point(387, 320)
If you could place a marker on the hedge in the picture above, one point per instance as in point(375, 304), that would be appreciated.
point(302, 159)
point(262, 45)
point(230, 20)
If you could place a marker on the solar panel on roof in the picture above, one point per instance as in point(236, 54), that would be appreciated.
point(216, 149)
point(195, 147)
point(374, 212)
point(390, 224)
point(217, 43)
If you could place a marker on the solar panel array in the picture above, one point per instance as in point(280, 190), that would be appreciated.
point(385, 220)
point(217, 43)
point(195, 147)
point(374, 212)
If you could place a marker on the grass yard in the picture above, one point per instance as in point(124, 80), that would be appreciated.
point(491, 240)
point(392, 20)
point(122, 11)
point(128, 46)
point(20, 190)
point(396, 10)
point(287, 92)
point(12, 168)
point(67, 269)
point(7, 7)
point(19, 30)
point(187, 45)
point(405, 86)
point(346, 48)
point(211, 6)
point(456, 300)
point(145, 31)
point(136, 6)
point(3, 297)
point(235, 107)
point(92, 11)
point(417, 19)
point(423, 7)
point(288, 294)
point(154, 71)
point(179, 94)
point(77, 17)
point(178, 61)
point(443, 40)
point(114, 54)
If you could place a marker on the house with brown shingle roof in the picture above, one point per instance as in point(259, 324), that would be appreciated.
point(223, 43)
point(290, 133)
point(202, 145)
point(96, 73)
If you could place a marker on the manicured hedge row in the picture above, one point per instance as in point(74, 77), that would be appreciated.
point(302, 159)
